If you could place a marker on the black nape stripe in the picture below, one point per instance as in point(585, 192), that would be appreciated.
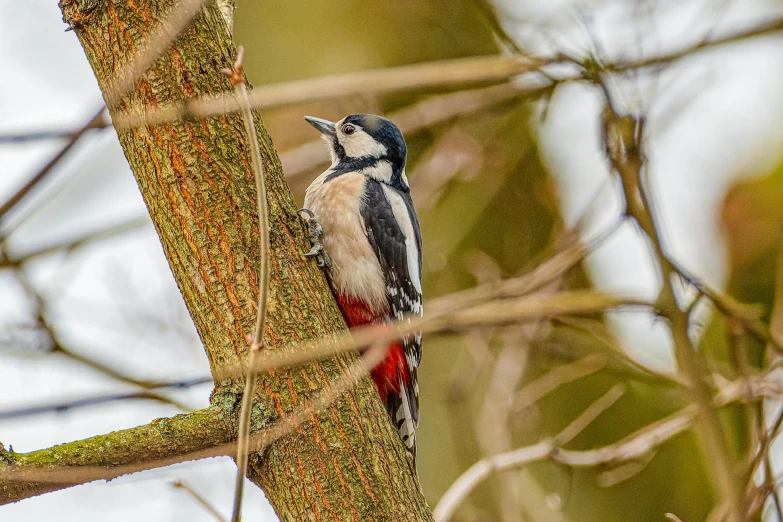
point(347, 165)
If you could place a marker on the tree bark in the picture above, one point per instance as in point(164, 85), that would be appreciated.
point(346, 463)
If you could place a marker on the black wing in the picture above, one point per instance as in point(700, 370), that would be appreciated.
point(389, 243)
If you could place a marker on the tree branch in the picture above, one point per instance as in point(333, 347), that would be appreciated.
point(632, 447)
point(163, 442)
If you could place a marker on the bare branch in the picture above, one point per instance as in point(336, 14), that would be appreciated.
point(103, 399)
point(419, 116)
point(623, 138)
point(201, 434)
point(163, 442)
point(553, 379)
point(59, 347)
point(116, 374)
point(47, 169)
point(24, 137)
point(203, 502)
point(769, 27)
point(73, 244)
point(632, 447)
point(441, 73)
point(445, 320)
point(460, 71)
point(592, 412)
point(237, 77)
point(40, 472)
point(747, 315)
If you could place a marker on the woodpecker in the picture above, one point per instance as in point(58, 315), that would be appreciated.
point(366, 235)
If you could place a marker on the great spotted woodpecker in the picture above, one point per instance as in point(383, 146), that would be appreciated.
point(371, 247)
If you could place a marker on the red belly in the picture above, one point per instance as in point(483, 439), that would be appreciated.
point(387, 374)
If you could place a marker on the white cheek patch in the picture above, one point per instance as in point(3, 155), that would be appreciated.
point(360, 144)
point(381, 171)
point(411, 248)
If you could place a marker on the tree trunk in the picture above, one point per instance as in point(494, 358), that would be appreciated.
point(197, 182)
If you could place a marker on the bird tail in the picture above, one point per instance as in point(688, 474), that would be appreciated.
point(398, 387)
point(403, 408)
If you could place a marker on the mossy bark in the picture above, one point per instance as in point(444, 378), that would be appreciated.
point(201, 433)
point(196, 179)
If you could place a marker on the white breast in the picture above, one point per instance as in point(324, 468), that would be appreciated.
point(355, 268)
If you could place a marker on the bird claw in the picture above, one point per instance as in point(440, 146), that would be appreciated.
point(315, 232)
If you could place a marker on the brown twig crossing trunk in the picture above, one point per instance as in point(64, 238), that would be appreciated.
point(197, 182)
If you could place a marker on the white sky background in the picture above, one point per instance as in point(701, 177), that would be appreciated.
point(727, 128)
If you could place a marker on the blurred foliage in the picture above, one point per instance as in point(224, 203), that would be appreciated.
point(488, 209)
point(752, 219)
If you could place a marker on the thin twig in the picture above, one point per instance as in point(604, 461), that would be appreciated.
point(39, 176)
point(547, 271)
point(103, 399)
point(417, 117)
point(598, 331)
point(237, 77)
point(578, 425)
point(459, 71)
point(96, 365)
point(769, 479)
point(768, 437)
point(366, 336)
point(496, 313)
point(492, 424)
point(115, 373)
point(74, 243)
point(203, 502)
point(553, 379)
point(59, 347)
point(625, 471)
point(632, 447)
point(746, 314)
point(453, 72)
point(776, 336)
point(24, 137)
point(769, 27)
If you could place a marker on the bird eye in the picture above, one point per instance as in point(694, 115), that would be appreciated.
point(349, 129)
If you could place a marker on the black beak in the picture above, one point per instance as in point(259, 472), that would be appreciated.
point(323, 126)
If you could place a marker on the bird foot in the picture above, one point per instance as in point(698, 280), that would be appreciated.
point(315, 232)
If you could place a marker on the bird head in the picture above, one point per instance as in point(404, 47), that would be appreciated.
point(368, 144)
